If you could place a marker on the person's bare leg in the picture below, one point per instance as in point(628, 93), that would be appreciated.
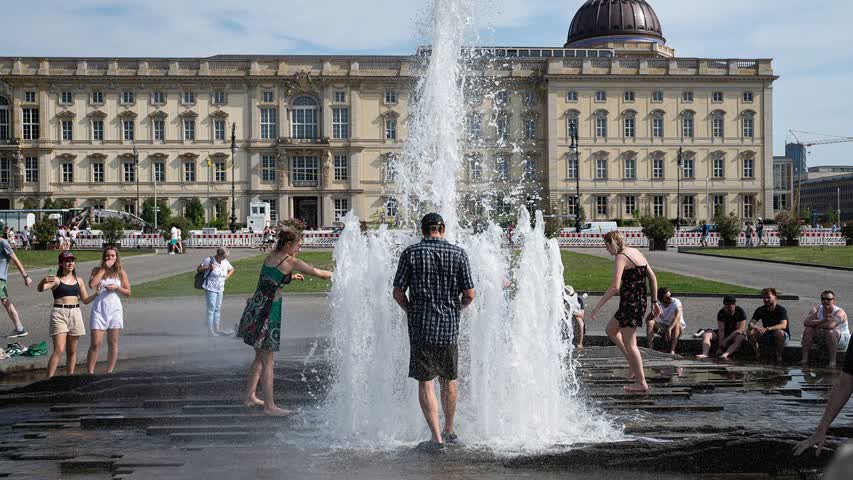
point(650, 334)
point(58, 350)
point(429, 407)
point(94, 344)
point(635, 360)
point(808, 341)
point(13, 314)
point(449, 395)
point(615, 335)
point(676, 334)
point(780, 345)
point(735, 346)
point(707, 338)
point(268, 378)
point(254, 377)
point(832, 338)
point(71, 353)
point(581, 329)
point(753, 341)
point(112, 345)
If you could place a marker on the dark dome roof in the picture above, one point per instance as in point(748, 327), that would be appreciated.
point(634, 19)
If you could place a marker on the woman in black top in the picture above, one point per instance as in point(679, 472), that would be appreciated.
point(629, 280)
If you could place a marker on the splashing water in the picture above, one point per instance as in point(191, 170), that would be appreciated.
point(517, 386)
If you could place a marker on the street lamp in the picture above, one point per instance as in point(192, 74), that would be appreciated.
point(573, 134)
point(136, 176)
point(156, 206)
point(678, 197)
point(233, 225)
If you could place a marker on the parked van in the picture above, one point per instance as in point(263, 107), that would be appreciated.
point(598, 227)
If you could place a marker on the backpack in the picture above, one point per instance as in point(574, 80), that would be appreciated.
point(200, 277)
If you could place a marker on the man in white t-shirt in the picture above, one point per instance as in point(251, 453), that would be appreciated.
point(173, 239)
point(670, 324)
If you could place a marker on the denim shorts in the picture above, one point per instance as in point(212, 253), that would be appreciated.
point(769, 338)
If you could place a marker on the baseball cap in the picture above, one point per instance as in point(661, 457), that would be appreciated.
point(66, 255)
point(729, 300)
point(431, 219)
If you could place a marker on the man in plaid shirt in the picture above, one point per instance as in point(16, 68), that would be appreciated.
point(438, 279)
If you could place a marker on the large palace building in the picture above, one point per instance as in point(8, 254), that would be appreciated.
point(315, 134)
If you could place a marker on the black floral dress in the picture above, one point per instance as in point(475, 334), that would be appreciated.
point(632, 296)
point(260, 324)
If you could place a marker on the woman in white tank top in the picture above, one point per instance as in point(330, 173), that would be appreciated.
point(107, 315)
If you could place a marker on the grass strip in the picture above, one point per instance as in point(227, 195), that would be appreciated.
point(826, 256)
point(49, 258)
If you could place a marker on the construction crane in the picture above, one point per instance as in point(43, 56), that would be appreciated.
point(827, 141)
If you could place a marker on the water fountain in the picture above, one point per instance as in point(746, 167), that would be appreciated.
point(517, 380)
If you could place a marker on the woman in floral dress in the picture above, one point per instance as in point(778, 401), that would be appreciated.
point(260, 325)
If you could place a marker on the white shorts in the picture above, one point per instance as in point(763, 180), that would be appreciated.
point(106, 318)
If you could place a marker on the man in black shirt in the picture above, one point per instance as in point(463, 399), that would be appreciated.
point(438, 279)
point(730, 333)
point(773, 331)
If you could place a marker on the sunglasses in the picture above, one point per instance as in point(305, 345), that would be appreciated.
point(827, 299)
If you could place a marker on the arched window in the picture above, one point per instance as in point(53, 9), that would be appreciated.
point(572, 121)
point(748, 124)
point(630, 119)
point(4, 119)
point(718, 124)
point(304, 118)
point(601, 124)
point(687, 123)
point(657, 124)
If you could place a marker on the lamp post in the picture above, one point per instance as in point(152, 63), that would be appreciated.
point(136, 176)
point(678, 197)
point(156, 206)
point(233, 225)
point(573, 134)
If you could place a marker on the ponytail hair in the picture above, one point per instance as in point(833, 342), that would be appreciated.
point(285, 236)
point(615, 238)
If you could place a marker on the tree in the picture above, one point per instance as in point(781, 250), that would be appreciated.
point(195, 212)
point(49, 203)
point(163, 215)
point(112, 229)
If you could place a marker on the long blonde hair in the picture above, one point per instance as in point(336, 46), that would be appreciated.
point(615, 238)
point(116, 269)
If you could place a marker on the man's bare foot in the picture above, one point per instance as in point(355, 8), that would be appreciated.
point(637, 388)
point(702, 356)
point(580, 347)
point(276, 411)
point(672, 352)
point(725, 357)
point(253, 402)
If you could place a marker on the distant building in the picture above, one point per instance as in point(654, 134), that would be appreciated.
point(824, 195)
point(783, 184)
point(797, 153)
point(828, 171)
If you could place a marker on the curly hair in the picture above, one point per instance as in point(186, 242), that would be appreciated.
point(287, 235)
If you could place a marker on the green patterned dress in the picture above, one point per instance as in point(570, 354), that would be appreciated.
point(260, 325)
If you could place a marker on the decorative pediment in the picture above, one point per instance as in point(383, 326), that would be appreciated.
point(718, 153)
point(718, 113)
point(127, 156)
point(66, 115)
point(658, 154)
point(158, 115)
point(219, 156)
point(748, 113)
point(301, 82)
point(601, 153)
point(97, 156)
point(66, 156)
point(390, 114)
point(158, 156)
point(128, 115)
point(688, 112)
point(629, 113)
point(530, 114)
point(97, 114)
point(188, 114)
point(572, 113)
point(218, 114)
point(629, 154)
point(186, 156)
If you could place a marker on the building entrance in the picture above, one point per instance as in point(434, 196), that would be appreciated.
point(306, 209)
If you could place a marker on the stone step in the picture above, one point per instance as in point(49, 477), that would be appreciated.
point(646, 428)
point(87, 465)
point(671, 408)
point(185, 402)
point(607, 403)
point(44, 425)
point(142, 421)
point(208, 409)
point(170, 429)
point(229, 437)
point(652, 394)
point(91, 406)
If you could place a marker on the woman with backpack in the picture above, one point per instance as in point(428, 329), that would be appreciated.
point(215, 270)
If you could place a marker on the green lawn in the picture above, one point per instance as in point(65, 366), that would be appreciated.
point(48, 258)
point(832, 256)
point(584, 272)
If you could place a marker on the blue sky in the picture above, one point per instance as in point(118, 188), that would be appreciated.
point(808, 40)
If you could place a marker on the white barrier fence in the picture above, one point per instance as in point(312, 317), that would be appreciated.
point(567, 238)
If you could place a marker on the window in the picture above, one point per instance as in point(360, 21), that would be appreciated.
point(340, 96)
point(502, 98)
point(340, 123)
point(503, 206)
point(273, 209)
point(341, 167)
point(601, 96)
point(657, 96)
point(391, 207)
point(189, 129)
point(657, 166)
point(268, 168)
point(475, 168)
point(127, 97)
point(127, 129)
point(530, 128)
point(189, 171)
point(780, 201)
point(748, 206)
point(219, 171)
point(303, 118)
point(341, 208)
point(67, 172)
point(658, 205)
point(129, 169)
point(4, 119)
point(67, 130)
point(630, 205)
point(748, 126)
point(189, 98)
point(688, 206)
point(98, 172)
point(571, 166)
point(529, 98)
point(129, 207)
point(571, 205)
point(687, 124)
point(219, 209)
point(30, 97)
point(30, 123)
point(630, 125)
point(687, 96)
point(601, 125)
point(629, 96)
point(391, 97)
point(601, 168)
point(631, 167)
point(718, 125)
point(305, 169)
point(717, 97)
point(31, 169)
point(98, 130)
point(748, 167)
point(502, 167)
point(572, 96)
point(688, 164)
point(267, 96)
point(219, 97)
point(66, 98)
point(657, 125)
point(475, 126)
point(390, 128)
point(4, 171)
point(719, 166)
point(719, 203)
point(747, 97)
point(572, 122)
point(159, 172)
point(601, 205)
point(219, 129)
point(159, 127)
point(158, 98)
point(269, 124)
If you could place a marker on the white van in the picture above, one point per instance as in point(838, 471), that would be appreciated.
point(598, 227)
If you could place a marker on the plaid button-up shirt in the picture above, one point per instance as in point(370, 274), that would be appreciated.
point(435, 273)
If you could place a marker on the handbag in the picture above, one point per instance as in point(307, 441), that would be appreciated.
point(201, 277)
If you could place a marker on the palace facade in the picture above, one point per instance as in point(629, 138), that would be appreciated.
point(315, 134)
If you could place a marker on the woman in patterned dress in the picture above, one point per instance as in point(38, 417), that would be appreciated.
point(629, 280)
point(260, 325)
